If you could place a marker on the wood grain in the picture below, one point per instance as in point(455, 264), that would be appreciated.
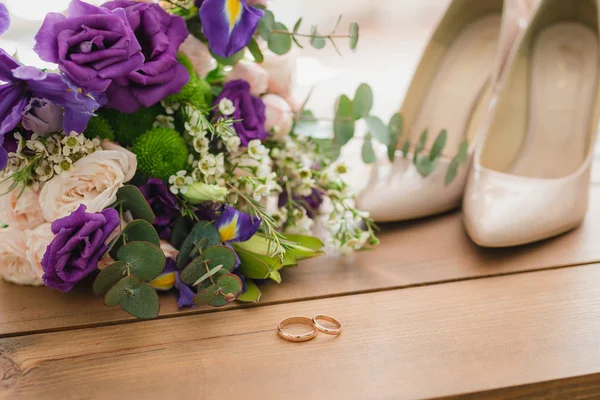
point(417, 253)
point(435, 341)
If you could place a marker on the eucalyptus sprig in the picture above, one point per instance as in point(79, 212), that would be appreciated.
point(279, 38)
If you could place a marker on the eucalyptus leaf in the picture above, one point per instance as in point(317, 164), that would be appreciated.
point(344, 123)
point(208, 275)
point(230, 284)
point(368, 154)
point(307, 124)
point(438, 145)
point(138, 230)
point(144, 259)
point(134, 201)
point(206, 295)
point(463, 152)
point(256, 51)
point(328, 147)
point(119, 291)
point(406, 148)
point(266, 25)
point(220, 255)
point(395, 127)
point(295, 31)
point(202, 230)
point(425, 166)
point(109, 276)
point(141, 302)
point(316, 40)
point(452, 171)
point(252, 293)
point(354, 35)
point(280, 43)
point(363, 101)
point(421, 144)
point(378, 129)
point(181, 229)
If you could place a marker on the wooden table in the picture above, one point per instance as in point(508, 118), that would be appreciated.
point(426, 315)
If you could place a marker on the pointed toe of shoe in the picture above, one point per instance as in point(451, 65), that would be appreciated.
point(399, 193)
point(504, 210)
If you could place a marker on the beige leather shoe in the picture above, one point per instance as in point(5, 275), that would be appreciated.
point(531, 176)
point(450, 90)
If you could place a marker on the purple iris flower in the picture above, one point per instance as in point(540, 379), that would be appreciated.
point(169, 279)
point(3, 154)
point(79, 244)
point(310, 203)
point(228, 25)
point(164, 204)
point(4, 19)
point(236, 226)
point(23, 83)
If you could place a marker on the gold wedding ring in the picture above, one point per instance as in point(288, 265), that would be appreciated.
point(327, 331)
point(301, 337)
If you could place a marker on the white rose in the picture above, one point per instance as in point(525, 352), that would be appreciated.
point(132, 158)
point(199, 55)
point(282, 73)
point(94, 181)
point(280, 117)
point(37, 242)
point(252, 73)
point(18, 208)
point(15, 267)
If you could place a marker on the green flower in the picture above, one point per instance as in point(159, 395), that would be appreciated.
point(128, 127)
point(201, 192)
point(187, 64)
point(161, 152)
point(197, 92)
point(98, 127)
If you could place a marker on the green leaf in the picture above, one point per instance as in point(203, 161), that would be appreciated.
point(266, 25)
point(252, 293)
point(138, 230)
point(256, 51)
point(206, 295)
point(406, 148)
point(395, 128)
point(378, 129)
point(231, 60)
point(109, 276)
point(145, 260)
point(252, 266)
point(421, 144)
point(202, 230)
point(425, 166)
point(230, 285)
point(368, 154)
point(220, 255)
point(275, 276)
point(280, 43)
point(438, 145)
point(134, 201)
point(311, 242)
point(354, 35)
point(208, 275)
point(119, 291)
point(181, 229)
point(141, 302)
point(328, 148)
point(316, 40)
point(452, 171)
point(363, 101)
point(463, 152)
point(343, 123)
point(295, 31)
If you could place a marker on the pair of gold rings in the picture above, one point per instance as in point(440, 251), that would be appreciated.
point(314, 324)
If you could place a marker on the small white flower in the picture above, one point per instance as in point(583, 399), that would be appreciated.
point(164, 121)
point(201, 144)
point(305, 189)
point(279, 217)
point(207, 164)
point(305, 174)
point(72, 143)
point(256, 150)
point(180, 182)
point(226, 107)
point(44, 171)
point(35, 145)
point(233, 144)
point(63, 166)
point(341, 169)
point(261, 191)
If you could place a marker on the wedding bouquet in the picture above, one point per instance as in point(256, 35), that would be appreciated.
point(163, 154)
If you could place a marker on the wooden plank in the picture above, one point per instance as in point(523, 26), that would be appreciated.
point(417, 253)
point(426, 342)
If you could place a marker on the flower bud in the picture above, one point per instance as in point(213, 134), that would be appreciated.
point(201, 192)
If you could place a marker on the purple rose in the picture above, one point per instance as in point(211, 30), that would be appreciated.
point(160, 36)
point(92, 45)
point(42, 116)
point(250, 110)
point(164, 204)
point(79, 244)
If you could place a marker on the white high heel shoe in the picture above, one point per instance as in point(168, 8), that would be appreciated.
point(450, 91)
point(531, 177)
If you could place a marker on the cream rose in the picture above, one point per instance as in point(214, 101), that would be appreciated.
point(93, 181)
point(20, 209)
point(282, 73)
point(132, 158)
point(280, 117)
point(37, 242)
point(15, 266)
point(252, 73)
point(199, 55)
